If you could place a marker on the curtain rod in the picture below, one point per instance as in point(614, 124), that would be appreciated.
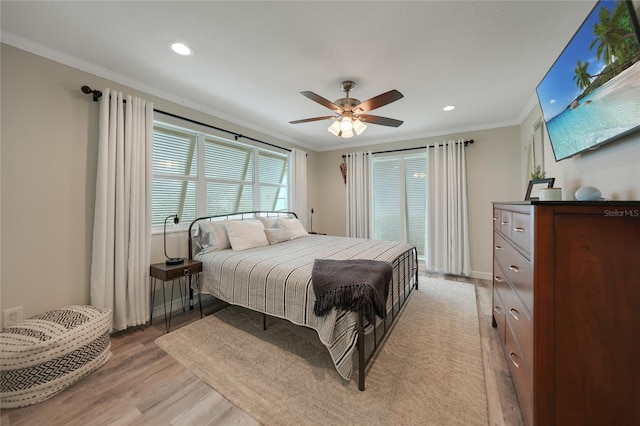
point(97, 94)
point(469, 142)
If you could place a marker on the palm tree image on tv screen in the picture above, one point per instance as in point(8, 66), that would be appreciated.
point(591, 94)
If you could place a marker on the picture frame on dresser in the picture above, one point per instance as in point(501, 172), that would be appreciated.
point(535, 185)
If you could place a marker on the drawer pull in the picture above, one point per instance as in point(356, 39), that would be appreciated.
point(514, 268)
point(498, 279)
point(515, 314)
point(512, 355)
point(496, 219)
point(518, 229)
point(499, 248)
point(497, 309)
point(186, 272)
point(504, 222)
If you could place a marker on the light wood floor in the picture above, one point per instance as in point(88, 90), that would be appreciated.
point(501, 394)
point(142, 385)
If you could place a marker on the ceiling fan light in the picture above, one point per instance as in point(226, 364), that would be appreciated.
point(358, 126)
point(348, 134)
point(335, 128)
point(346, 124)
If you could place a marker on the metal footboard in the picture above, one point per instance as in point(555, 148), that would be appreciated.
point(405, 269)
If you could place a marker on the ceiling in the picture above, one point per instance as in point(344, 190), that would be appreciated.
point(251, 60)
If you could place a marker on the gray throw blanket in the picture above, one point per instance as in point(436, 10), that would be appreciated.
point(351, 285)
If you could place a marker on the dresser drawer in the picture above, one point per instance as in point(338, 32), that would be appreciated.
point(499, 314)
point(505, 222)
point(521, 232)
point(517, 269)
point(522, 378)
point(500, 284)
point(521, 325)
point(497, 217)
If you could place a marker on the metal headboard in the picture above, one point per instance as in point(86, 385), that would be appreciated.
point(235, 216)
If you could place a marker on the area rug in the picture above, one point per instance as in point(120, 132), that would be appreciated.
point(429, 371)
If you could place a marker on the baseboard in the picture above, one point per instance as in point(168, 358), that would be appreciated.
point(474, 274)
point(482, 275)
point(207, 302)
point(159, 310)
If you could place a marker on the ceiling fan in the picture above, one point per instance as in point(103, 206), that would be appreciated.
point(350, 112)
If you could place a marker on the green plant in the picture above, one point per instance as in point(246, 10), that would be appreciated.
point(538, 173)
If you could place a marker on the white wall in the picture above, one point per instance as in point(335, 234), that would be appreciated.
point(492, 162)
point(613, 168)
point(48, 157)
point(48, 181)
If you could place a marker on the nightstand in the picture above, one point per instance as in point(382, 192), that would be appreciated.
point(173, 273)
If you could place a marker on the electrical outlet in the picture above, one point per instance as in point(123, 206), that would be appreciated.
point(12, 316)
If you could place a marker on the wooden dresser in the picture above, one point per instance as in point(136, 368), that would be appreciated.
point(566, 298)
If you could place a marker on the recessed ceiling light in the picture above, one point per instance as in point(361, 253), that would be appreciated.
point(181, 49)
point(449, 108)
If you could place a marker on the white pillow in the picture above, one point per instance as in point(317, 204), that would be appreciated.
point(294, 226)
point(268, 222)
point(213, 236)
point(246, 234)
point(277, 235)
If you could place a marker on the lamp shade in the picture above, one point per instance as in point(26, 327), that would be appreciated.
point(335, 128)
point(338, 127)
point(358, 126)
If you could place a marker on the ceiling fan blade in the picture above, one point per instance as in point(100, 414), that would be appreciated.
point(322, 101)
point(306, 120)
point(383, 121)
point(378, 101)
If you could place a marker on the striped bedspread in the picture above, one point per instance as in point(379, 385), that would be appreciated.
point(276, 280)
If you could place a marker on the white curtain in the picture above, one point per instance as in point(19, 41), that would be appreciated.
point(447, 239)
point(298, 175)
point(358, 194)
point(122, 218)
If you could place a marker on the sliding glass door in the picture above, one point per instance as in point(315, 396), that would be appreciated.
point(399, 191)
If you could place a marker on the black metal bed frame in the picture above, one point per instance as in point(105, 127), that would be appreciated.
point(405, 268)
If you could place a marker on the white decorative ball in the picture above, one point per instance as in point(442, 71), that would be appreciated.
point(588, 193)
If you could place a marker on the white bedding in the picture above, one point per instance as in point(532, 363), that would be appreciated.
point(276, 280)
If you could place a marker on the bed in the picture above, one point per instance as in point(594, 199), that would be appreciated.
point(275, 278)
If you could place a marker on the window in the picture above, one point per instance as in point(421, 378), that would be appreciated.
point(195, 175)
point(399, 193)
point(174, 175)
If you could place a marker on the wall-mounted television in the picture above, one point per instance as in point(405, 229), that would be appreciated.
point(591, 94)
